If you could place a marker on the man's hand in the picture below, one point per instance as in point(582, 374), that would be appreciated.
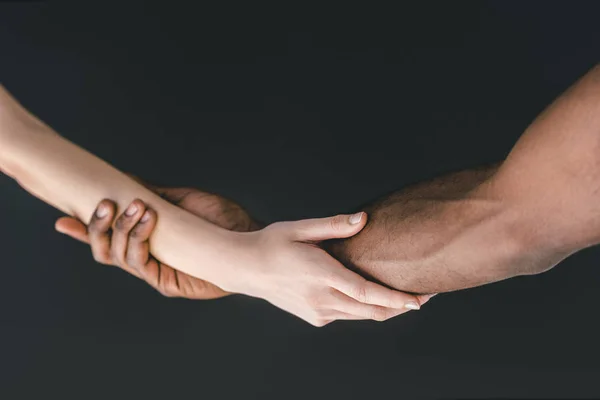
point(126, 245)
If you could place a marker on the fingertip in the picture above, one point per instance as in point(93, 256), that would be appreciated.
point(105, 208)
point(357, 218)
point(412, 305)
point(146, 217)
point(149, 218)
point(424, 298)
point(357, 222)
point(59, 224)
point(143, 228)
point(58, 228)
point(72, 227)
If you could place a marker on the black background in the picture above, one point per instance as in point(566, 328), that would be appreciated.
point(294, 112)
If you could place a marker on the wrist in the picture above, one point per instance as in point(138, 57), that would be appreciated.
point(238, 265)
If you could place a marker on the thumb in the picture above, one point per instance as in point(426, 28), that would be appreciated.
point(72, 227)
point(319, 229)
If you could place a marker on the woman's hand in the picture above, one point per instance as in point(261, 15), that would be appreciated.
point(295, 274)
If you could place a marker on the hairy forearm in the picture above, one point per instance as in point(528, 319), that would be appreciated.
point(74, 181)
point(447, 234)
point(436, 236)
point(480, 226)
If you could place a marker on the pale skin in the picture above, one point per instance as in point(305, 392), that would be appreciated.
point(127, 245)
point(281, 263)
point(518, 217)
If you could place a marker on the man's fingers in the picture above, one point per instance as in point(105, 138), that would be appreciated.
point(99, 231)
point(319, 229)
point(73, 228)
point(347, 305)
point(138, 248)
point(161, 277)
point(123, 225)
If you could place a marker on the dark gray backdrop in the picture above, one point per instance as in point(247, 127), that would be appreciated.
point(295, 112)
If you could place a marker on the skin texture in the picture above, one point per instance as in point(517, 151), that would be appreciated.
point(474, 227)
point(407, 230)
point(128, 247)
point(518, 217)
point(281, 263)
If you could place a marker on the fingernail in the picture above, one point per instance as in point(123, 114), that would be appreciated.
point(145, 217)
point(131, 210)
point(411, 305)
point(102, 211)
point(355, 218)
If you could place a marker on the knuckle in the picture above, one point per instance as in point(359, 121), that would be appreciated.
point(164, 292)
point(278, 228)
point(97, 227)
point(98, 258)
point(122, 224)
point(379, 314)
point(319, 323)
point(314, 301)
point(332, 279)
point(336, 223)
point(115, 260)
point(130, 260)
point(136, 233)
point(360, 292)
point(311, 302)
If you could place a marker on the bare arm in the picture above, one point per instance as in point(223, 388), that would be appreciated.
point(279, 263)
point(75, 181)
point(480, 226)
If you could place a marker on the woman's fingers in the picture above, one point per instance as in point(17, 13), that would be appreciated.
point(123, 225)
point(344, 316)
point(347, 305)
point(73, 228)
point(319, 229)
point(99, 231)
point(364, 291)
point(424, 298)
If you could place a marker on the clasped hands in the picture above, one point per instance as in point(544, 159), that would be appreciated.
point(308, 282)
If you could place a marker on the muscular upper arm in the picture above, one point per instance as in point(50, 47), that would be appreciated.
point(554, 169)
point(472, 228)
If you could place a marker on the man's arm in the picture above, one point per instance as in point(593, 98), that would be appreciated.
point(480, 226)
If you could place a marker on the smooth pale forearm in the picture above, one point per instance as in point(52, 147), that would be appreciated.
point(74, 181)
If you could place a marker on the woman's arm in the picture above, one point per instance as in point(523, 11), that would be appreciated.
point(280, 263)
point(75, 181)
